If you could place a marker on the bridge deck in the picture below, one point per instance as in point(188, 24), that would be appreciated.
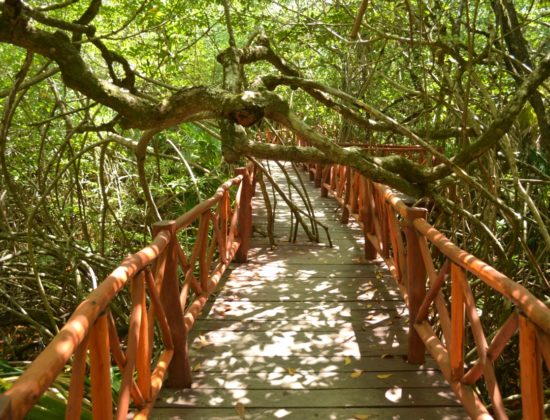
point(307, 331)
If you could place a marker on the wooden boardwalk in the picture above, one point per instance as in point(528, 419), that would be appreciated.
point(306, 331)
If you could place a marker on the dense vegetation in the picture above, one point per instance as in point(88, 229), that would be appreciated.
point(115, 114)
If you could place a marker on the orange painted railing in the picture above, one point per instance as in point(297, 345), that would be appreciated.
point(222, 236)
point(401, 235)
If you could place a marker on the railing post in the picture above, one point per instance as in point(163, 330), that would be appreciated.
point(347, 194)
point(367, 217)
point(416, 284)
point(245, 215)
point(530, 363)
point(310, 171)
point(325, 179)
point(5, 407)
point(179, 372)
point(318, 175)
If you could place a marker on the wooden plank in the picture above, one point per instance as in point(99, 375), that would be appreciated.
point(295, 377)
point(306, 311)
point(392, 397)
point(296, 343)
point(318, 363)
point(273, 295)
point(291, 325)
point(435, 413)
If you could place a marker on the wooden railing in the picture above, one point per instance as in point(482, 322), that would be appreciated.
point(222, 236)
point(401, 235)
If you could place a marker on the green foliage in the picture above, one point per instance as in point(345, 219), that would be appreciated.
point(52, 404)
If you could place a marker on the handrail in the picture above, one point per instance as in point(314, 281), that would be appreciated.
point(91, 329)
point(401, 235)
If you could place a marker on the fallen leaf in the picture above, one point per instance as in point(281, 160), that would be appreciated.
point(239, 408)
point(291, 371)
point(360, 416)
point(197, 367)
point(347, 360)
point(386, 356)
point(356, 373)
point(203, 342)
point(384, 376)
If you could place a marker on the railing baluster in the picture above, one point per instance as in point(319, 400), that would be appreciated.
point(416, 284)
point(223, 212)
point(318, 180)
point(437, 297)
point(500, 340)
point(159, 311)
point(481, 346)
point(368, 220)
point(143, 362)
point(544, 345)
point(76, 387)
point(202, 246)
point(530, 371)
point(456, 348)
point(347, 194)
point(120, 360)
point(137, 290)
point(179, 374)
point(100, 370)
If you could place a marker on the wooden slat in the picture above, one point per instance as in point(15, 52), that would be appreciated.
point(530, 371)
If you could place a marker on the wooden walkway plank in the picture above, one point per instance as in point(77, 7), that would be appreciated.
point(307, 331)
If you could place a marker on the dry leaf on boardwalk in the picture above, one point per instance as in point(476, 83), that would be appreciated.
point(384, 376)
point(347, 360)
point(203, 342)
point(291, 371)
point(239, 408)
point(356, 373)
point(360, 416)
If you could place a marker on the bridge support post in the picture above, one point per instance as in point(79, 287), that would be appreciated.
point(179, 372)
point(416, 284)
point(245, 215)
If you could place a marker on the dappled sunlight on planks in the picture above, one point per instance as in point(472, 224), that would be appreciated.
point(308, 331)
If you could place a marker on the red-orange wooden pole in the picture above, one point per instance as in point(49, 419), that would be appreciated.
point(345, 209)
point(76, 387)
point(245, 215)
point(179, 372)
point(367, 217)
point(456, 349)
point(530, 361)
point(318, 175)
point(143, 361)
point(100, 369)
point(325, 180)
point(5, 407)
point(416, 283)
